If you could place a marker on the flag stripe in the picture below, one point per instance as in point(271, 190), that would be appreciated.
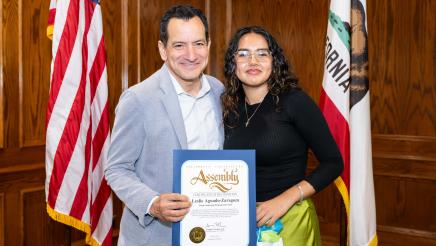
point(340, 130)
point(100, 99)
point(81, 199)
point(105, 222)
point(67, 143)
point(73, 123)
point(100, 136)
point(51, 16)
point(98, 171)
point(108, 239)
point(98, 205)
point(63, 55)
point(78, 122)
point(97, 68)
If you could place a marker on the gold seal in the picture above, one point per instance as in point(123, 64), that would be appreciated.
point(197, 234)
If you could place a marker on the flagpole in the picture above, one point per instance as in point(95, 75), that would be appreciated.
point(67, 235)
point(343, 225)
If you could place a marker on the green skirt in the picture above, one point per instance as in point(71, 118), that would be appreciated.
point(300, 225)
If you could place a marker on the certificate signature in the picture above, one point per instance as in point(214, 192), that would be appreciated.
point(215, 227)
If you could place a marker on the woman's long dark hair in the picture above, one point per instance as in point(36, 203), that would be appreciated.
point(282, 78)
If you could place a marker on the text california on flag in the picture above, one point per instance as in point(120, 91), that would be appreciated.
point(77, 137)
point(344, 101)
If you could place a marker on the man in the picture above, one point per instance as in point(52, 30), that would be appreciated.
point(175, 108)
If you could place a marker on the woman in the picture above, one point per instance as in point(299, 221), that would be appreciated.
point(266, 111)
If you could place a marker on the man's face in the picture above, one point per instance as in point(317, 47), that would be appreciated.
point(187, 50)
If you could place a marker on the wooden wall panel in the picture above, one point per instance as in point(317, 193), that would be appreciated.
point(402, 51)
point(407, 212)
point(2, 219)
point(10, 75)
point(402, 46)
point(38, 228)
point(11, 185)
point(133, 42)
point(405, 182)
point(112, 31)
point(1, 78)
point(35, 59)
point(219, 15)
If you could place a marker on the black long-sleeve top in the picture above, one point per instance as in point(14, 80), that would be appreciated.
point(281, 137)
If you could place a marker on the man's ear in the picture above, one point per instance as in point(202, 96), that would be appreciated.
point(162, 50)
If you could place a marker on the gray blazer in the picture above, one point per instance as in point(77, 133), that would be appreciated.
point(148, 127)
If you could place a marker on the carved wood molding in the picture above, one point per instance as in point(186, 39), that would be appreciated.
point(406, 231)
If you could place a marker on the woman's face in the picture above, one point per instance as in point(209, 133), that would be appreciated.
point(253, 61)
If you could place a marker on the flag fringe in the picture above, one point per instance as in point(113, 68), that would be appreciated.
point(50, 32)
point(71, 221)
point(340, 184)
point(374, 241)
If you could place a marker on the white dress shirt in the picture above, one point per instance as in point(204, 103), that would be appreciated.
point(201, 125)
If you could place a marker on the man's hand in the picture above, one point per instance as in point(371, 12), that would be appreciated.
point(170, 207)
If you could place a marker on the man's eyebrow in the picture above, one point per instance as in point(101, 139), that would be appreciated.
point(178, 42)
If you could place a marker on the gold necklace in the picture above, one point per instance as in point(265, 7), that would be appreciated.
point(246, 112)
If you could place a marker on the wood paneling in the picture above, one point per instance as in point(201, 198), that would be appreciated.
point(393, 237)
point(402, 53)
point(131, 17)
point(409, 157)
point(1, 78)
point(10, 73)
point(219, 15)
point(111, 11)
point(33, 215)
point(2, 220)
point(405, 183)
point(12, 183)
point(398, 204)
point(35, 58)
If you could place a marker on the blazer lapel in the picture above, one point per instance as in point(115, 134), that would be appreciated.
point(171, 103)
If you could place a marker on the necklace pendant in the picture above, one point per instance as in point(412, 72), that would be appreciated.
point(246, 123)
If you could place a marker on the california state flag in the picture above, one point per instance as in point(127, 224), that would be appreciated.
point(345, 103)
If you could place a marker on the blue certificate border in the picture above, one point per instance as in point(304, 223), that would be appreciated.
point(248, 156)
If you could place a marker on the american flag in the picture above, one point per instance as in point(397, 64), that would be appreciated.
point(345, 103)
point(78, 121)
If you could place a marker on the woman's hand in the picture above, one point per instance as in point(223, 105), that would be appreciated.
point(269, 211)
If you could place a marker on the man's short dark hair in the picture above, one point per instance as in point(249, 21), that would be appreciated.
point(184, 12)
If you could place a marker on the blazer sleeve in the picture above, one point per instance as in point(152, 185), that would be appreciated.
point(128, 137)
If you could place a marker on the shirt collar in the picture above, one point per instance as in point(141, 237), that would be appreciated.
point(205, 86)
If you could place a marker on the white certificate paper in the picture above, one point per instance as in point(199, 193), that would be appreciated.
point(220, 192)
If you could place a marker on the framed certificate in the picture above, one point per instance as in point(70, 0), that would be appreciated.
point(222, 187)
